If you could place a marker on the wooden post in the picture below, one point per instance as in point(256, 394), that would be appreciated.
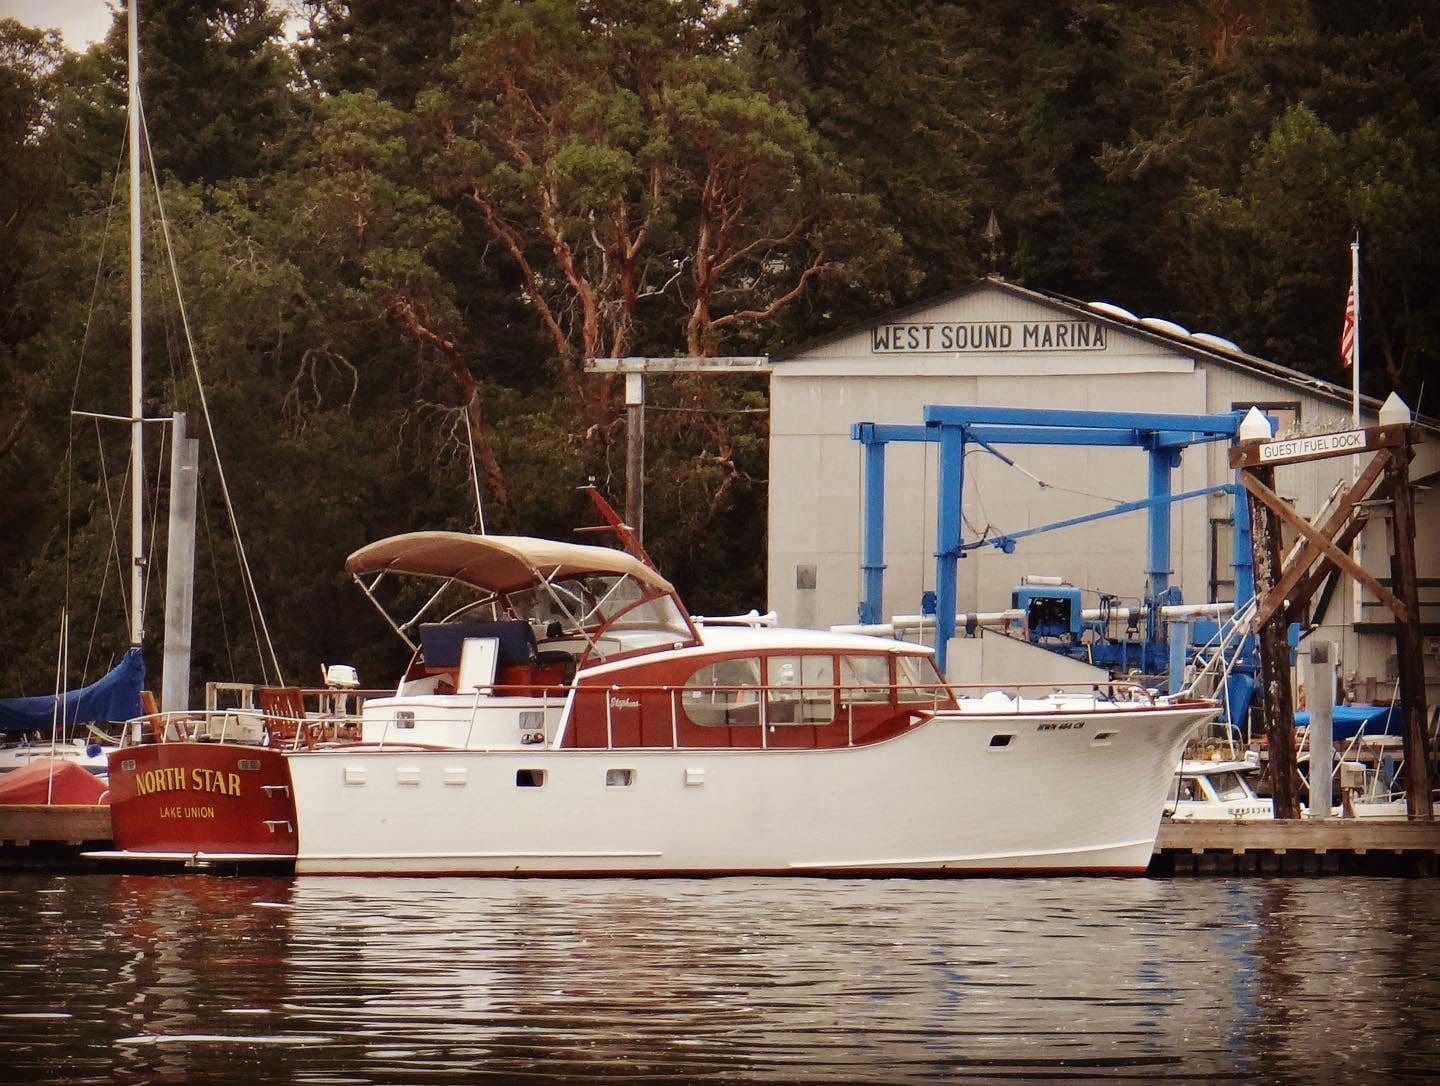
point(1276, 702)
point(635, 370)
point(1408, 642)
point(635, 454)
point(1320, 700)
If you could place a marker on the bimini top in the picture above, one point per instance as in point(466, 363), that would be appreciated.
point(496, 563)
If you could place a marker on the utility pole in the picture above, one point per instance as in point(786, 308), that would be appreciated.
point(635, 370)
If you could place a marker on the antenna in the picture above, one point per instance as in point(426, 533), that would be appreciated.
point(474, 471)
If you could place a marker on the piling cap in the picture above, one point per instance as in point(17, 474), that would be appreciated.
point(1255, 426)
point(1394, 411)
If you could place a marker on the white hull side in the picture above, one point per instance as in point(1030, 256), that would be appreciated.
point(939, 798)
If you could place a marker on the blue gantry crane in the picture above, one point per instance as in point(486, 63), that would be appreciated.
point(1052, 612)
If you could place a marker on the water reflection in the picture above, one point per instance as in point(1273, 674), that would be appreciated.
point(389, 980)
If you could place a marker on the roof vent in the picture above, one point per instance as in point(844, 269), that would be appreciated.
point(1211, 340)
point(1160, 324)
point(1110, 309)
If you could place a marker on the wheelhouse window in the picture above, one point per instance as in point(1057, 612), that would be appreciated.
point(801, 689)
point(724, 692)
point(865, 679)
point(918, 681)
point(609, 614)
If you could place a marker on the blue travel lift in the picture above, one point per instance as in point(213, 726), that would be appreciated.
point(1057, 609)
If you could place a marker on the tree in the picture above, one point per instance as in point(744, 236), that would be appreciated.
point(904, 94)
point(619, 159)
point(392, 50)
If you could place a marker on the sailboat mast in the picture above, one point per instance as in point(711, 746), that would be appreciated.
point(137, 426)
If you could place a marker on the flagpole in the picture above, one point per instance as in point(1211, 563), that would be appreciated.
point(1355, 352)
point(1357, 549)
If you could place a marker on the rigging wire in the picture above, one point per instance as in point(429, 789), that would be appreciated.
point(261, 627)
point(70, 441)
point(474, 470)
point(220, 596)
point(114, 550)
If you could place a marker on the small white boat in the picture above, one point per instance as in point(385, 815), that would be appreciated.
point(570, 718)
point(1205, 790)
point(87, 754)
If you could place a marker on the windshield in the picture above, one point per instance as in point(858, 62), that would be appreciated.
point(629, 614)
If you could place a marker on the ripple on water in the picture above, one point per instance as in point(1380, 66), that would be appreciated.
point(393, 980)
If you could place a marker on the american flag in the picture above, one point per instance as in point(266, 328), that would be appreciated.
point(1347, 334)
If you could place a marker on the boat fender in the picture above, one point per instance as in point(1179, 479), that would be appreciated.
point(93, 750)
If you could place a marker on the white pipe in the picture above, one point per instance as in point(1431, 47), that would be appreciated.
point(1004, 618)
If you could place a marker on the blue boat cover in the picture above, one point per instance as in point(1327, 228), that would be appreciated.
point(1348, 720)
point(113, 697)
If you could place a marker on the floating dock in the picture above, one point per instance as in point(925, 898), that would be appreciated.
point(1332, 846)
point(51, 836)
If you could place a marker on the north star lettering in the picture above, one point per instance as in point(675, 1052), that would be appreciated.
point(987, 336)
point(175, 779)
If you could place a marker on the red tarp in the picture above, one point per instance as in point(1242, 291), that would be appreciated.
point(31, 784)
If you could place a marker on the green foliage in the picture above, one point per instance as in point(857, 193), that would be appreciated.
point(398, 240)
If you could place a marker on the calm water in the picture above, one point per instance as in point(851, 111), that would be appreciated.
point(205, 979)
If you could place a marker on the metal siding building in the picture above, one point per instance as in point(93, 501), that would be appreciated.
point(998, 345)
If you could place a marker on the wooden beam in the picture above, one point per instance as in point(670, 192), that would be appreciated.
point(759, 363)
point(1276, 704)
point(1300, 597)
point(1357, 492)
point(1298, 450)
point(1409, 642)
point(1272, 601)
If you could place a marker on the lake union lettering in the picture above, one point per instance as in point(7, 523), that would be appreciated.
point(987, 336)
point(175, 779)
point(187, 812)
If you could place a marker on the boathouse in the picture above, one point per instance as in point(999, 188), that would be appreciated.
point(1000, 345)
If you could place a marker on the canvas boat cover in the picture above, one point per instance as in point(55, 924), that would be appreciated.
point(495, 563)
point(113, 697)
point(31, 784)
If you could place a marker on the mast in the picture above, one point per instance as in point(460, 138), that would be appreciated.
point(137, 444)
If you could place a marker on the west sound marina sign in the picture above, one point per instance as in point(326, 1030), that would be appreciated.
point(940, 337)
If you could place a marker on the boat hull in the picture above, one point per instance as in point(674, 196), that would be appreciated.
point(185, 800)
point(962, 794)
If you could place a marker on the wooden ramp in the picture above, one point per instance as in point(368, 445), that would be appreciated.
point(1335, 846)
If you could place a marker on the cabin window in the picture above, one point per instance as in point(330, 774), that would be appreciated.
point(404, 718)
point(865, 678)
point(917, 682)
point(529, 778)
point(801, 690)
point(1229, 787)
point(999, 741)
point(619, 778)
point(724, 692)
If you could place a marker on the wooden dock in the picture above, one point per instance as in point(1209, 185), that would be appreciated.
point(1334, 846)
point(52, 836)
